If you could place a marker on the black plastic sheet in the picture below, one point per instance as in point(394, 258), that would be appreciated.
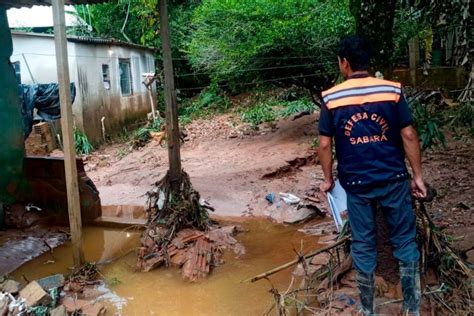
point(43, 97)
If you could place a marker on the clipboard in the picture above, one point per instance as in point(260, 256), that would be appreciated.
point(337, 200)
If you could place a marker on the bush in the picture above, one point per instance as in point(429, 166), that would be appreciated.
point(297, 106)
point(428, 122)
point(462, 115)
point(243, 42)
point(208, 102)
point(142, 135)
point(264, 112)
point(271, 109)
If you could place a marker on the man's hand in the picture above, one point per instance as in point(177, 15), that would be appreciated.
point(418, 188)
point(326, 186)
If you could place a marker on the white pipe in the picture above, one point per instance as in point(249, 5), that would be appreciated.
point(103, 127)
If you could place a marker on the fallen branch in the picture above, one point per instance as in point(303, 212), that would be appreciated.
point(441, 289)
point(293, 262)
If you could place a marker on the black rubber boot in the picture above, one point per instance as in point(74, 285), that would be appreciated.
point(410, 279)
point(366, 285)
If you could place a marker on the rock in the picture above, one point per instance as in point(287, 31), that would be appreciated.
point(59, 311)
point(11, 286)
point(51, 282)
point(34, 295)
point(298, 216)
point(95, 309)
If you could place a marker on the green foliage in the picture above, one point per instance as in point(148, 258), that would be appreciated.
point(462, 115)
point(237, 42)
point(208, 102)
point(408, 23)
point(297, 106)
point(81, 142)
point(315, 143)
point(120, 153)
point(142, 134)
point(264, 112)
point(271, 109)
point(428, 122)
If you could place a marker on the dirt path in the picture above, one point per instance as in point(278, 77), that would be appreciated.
point(225, 169)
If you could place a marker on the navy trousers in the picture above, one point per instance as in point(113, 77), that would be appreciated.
point(396, 204)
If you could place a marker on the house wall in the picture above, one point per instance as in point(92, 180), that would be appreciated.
point(93, 100)
point(97, 101)
point(37, 58)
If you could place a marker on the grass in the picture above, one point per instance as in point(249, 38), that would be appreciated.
point(81, 142)
point(120, 153)
point(207, 103)
point(273, 109)
point(462, 117)
point(143, 135)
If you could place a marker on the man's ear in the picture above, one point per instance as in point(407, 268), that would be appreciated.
point(345, 62)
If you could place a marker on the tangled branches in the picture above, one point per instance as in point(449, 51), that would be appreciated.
point(436, 252)
point(168, 212)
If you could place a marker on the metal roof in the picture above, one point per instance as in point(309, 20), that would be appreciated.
point(88, 40)
point(30, 3)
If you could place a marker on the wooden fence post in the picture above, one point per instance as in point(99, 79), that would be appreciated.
point(73, 201)
point(172, 125)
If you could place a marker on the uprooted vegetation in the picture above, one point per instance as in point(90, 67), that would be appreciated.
point(179, 232)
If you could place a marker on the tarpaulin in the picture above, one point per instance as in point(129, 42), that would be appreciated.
point(43, 97)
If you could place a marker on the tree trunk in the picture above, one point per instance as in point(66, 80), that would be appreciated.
point(172, 125)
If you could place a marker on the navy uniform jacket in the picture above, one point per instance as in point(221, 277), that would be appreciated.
point(365, 116)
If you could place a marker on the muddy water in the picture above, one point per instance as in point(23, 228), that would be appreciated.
point(163, 292)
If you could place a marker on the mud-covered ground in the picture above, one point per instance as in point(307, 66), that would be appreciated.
point(235, 167)
point(228, 161)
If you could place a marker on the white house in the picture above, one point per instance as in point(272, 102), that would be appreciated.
point(107, 74)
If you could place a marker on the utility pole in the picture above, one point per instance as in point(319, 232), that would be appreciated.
point(73, 201)
point(172, 125)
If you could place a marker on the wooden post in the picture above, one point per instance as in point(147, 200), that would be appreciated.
point(172, 127)
point(74, 206)
point(414, 57)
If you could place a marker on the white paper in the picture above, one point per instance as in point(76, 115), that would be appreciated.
point(337, 200)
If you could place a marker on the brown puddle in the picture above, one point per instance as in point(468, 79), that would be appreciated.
point(163, 292)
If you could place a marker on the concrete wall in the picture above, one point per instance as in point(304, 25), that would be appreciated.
point(448, 78)
point(93, 99)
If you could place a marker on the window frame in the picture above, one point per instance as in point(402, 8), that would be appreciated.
point(106, 76)
point(128, 63)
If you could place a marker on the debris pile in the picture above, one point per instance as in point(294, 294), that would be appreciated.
point(291, 209)
point(54, 295)
point(179, 232)
point(327, 281)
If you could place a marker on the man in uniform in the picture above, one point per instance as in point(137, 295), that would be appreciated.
point(372, 126)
